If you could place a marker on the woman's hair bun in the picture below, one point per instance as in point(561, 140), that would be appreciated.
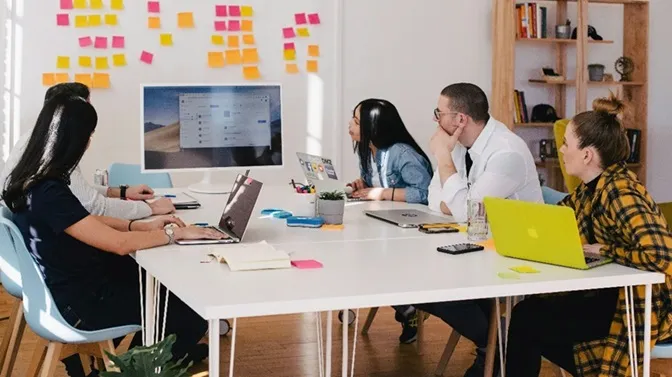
point(610, 105)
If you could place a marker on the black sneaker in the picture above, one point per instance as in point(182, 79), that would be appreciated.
point(409, 326)
point(477, 369)
point(73, 366)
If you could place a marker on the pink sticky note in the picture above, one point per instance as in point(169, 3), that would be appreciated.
point(290, 46)
point(63, 19)
point(288, 32)
point(300, 19)
point(66, 4)
point(234, 10)
point(220, 25)
point(220, 11)
point(153, 7)
point(234, 25)
point(85, 41)
point(118, 41)
point(306, 264)
point(101, 42)
point(146, 57)
point(314, 19)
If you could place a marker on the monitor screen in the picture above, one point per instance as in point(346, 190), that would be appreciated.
point(211, 127)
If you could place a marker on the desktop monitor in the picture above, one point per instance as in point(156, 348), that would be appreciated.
point(211, 127)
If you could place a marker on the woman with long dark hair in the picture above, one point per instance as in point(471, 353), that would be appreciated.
point(84, 258)
point(392, 165)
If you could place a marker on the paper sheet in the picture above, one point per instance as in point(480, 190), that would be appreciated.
point(66, 4)
point(524, 270)
point(85, 41)
point(300, 19)
point(220, 25)
point(291, 68)
point(234, 25)
point(314, 51)
point(85, 61)
point(250, 56)
point(234, 10)
point(63, 62)
point(48, 79)
point(153, 7)
point(63, 19)
point(233, 57)
point(220, 11)
point(79, 4)
point(509, 275)
point(288, 32)
point(233, 41)
point(216, 59)
point(101, 80)
point(60, 78)
point(306, 264)
point(166, 39)
point(185, 20)
point(81, 21)
point(217, 39)
point(118, 41)
point(119, 60)
point(251, 73)
point(84, 78)
point(117, 4)
point(290, 46)
point(290, 55)
point(246, 11)
point(147, 57)
point(314, 19)
point(154, 22)
point(248, 39)
point(95, 20)
point(111, 20)
point(247, 25)
point(101, 42)
point(303, 32)
point(96, 4)
point(102, 62)
point(312, 66)
point(488, 244)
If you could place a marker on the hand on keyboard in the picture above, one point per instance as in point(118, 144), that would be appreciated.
point(592, 252)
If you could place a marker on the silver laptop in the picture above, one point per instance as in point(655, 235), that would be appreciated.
point(237, 212)
point(320, 171)
point(408, 218)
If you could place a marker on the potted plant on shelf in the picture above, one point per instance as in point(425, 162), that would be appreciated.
point(151, 361)
point(330, 206)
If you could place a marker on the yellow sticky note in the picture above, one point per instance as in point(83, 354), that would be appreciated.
point(217, 39)
point(85, 61)
point(119, 60)
point(248, 39)
point(291, 68)
point(60, 78)
point(233, 41)
point(83, 78)
point(216, 59)
point(185, 20)
point(81, 21)
point(166, 39)
point(246, 11)
point(250, 56)
point(312, 66)
point(117, 4)
point(508, 275)
point(101, 80)
point(332, 227)
point(95, 20)
point(96, 4)
point(48, 79)
point(524, 269)
point(79, 4)
point(111, 19)
point(154, 22)
point(251, 73)
point(303, 32)
point(63, 62)
point(246, 25)
point(290, 54)
point(314, 51)
point(101, 62)
point(233, 57)
point(488, 244)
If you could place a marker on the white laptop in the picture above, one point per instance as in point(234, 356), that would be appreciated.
point(320, 172)
point(408, 218)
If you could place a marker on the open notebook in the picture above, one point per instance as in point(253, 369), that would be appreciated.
point(180, 200)
point(255, 256)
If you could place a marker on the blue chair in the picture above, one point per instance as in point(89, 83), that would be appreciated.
point(552, 196)
point(41, 313)
point(129, 174)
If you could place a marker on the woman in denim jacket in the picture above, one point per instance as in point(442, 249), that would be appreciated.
point(392, 165)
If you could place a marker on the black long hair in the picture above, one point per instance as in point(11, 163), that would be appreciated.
point(57, 144)
point(380, 124)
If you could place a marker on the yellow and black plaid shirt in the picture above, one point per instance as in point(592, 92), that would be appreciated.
point(621, 215)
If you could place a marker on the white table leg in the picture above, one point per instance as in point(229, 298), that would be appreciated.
point(647, 330)
point(330, 323)
point(213, 346)
point(344, 372)
point(150, 310)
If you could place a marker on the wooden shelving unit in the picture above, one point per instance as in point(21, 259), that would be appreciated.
point(634, 93)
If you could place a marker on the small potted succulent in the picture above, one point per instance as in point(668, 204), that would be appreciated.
point(330, 206)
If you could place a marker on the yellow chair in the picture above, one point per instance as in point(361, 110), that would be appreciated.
point(559, 127)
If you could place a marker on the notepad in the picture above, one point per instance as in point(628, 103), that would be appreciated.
point(179, 199)
point(249, 257)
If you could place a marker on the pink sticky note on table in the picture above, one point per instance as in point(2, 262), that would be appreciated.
point(85, 41)
point(300, 19)
point(220, 11)
point(153, 7)
point(63, 19)
point(290, 46)
point(234, 25)
point(314, 19)
point(306, 264)
point(220, 25)
point(234, 10)
point(146, 57)
point(101, 42)
point(118, 41)
point(288, 32)
point(66, 4)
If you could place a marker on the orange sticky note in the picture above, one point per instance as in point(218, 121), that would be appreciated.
point(251, 73)
point(95, 20)
point(96, 4)
point(60, 78)
point(248, 39)
point(217, 39)
point(101, 80)
point(233, 57)
point(488, 244)
point(311, 66)
point(233, 41)
point(111, 19)
point(84, 78)
point(246, 11)
point(63, 62)
point(48, 79)
point(216, 59)
point(119, 60)
point(117, 4)
point(81, 21)
point(250, 56)
point(185, 20)
point(101, 62)
point(314, 51)
point(290, 54)
point(302, 32)
point(85, 61)
point(166, 39)
point(79, 4)
point(154, 22)
point(291, 68)
point(246, 25)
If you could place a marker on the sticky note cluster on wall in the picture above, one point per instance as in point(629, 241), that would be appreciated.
point(301, 30)
point(234, 34)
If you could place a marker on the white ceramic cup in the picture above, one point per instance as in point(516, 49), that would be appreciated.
point(304, 205)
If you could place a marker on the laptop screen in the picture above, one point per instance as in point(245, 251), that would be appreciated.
point(240, 205)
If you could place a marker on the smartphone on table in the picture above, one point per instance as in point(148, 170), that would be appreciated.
point(459, 248)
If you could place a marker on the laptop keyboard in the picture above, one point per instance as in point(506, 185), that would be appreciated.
point(591, 260)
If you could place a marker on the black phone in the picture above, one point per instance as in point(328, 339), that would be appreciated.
point(459, 248)
point(438, 230)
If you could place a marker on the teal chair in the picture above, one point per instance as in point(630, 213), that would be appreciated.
point(41, 313)
point(552, 196)
point(129, 174)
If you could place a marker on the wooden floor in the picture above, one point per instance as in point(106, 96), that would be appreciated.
point(285, 346)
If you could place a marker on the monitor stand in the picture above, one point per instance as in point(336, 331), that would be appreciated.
point(205, 186)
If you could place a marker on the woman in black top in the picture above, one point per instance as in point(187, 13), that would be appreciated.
point(84, 259)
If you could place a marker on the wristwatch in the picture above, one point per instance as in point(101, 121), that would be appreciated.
point(122, 191)
point(171, 235)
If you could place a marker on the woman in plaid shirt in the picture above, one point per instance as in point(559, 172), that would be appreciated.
point(585, 332)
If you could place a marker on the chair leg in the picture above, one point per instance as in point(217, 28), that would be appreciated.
point(369, 320)
point(492, 341)
point(108, 346)
point(12, 338)
point(86, 363)
point(559, 372)
point(38, 358)
point(51, 359)
point(447, 353)
point(421, 332)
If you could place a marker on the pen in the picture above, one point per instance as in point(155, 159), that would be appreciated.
point(293, 184)
point(200, 224)
point(165, 196)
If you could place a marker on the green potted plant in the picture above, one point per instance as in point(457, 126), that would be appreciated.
point(151, 361)
point(330, 206)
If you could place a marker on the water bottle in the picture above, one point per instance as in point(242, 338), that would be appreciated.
point(477, 222)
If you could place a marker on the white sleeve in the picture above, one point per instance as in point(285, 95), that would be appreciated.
point(434, 193)
point(502, 177)
point(101, 189)
point(97, 204)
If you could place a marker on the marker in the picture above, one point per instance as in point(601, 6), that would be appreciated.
point(200, 224)
point(168, 196)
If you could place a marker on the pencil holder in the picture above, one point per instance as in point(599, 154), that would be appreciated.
point(304, 205)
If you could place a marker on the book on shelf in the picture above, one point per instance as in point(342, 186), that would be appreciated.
point(634, 137)
point(520, 114)
point(531, 20)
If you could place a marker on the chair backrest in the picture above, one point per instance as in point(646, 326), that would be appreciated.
point(552, 196)
point(130, 174)
point(559, 127)
point(10, 274)
point(666, 208)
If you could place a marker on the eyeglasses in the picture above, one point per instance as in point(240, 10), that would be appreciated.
point(437, 113)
